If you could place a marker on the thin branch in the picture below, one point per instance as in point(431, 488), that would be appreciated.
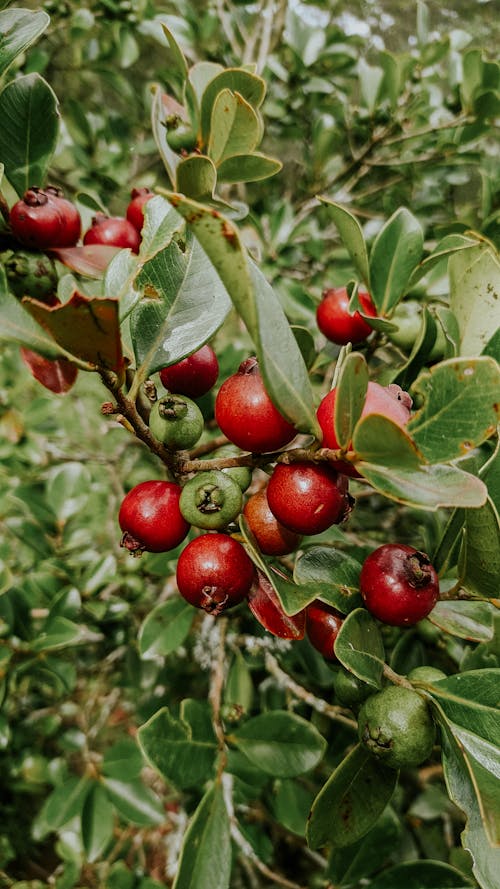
point(395, 678)
point(330, 710)
point(215, 693)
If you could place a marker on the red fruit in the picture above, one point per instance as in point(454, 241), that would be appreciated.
point(113, 231)
point(194, 375)
point(214, 572)
point(266, 608)
point(337, 323)
point(71, 221)
point(307, 497)
point(390, 401)
point(273, 538)
point(36, 221)
point(246, 414)
point(322, 627)
point(150, 518)
point(398, 584)
point(135, 209)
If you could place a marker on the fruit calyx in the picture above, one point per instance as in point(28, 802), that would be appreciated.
point(35, 197)
point(130, 543)
point(209, 498)
point(172, 407)
point(249, 366)
point(210, 602)
point(418, 569)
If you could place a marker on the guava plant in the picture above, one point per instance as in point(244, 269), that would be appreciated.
point(305, 610)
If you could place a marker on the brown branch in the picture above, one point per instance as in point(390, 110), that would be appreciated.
point(215, 694)
point(330, 710)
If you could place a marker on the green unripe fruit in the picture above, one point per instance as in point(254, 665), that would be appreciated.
point(242, 475)
point(30, 273)
point(426, 674)
point(396, 726)
point(181, 138)
point(349, 689)
point(211, 500)
point(176, 421)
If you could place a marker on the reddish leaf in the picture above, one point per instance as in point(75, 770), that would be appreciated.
point(87, 327)
point(91, 260)
point(57, 375)
point(265, 607)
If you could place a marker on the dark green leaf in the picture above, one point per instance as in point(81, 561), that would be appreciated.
point(471, 700)
point(420, 353)
point(29, 131)
point(468, 620)
point(97, 822)
point(206, 851)
point(359, 647)
point(331, 575)
point(123, 759)
point(480, 554)
point(19, 28)
point(396, 252)
point(64, 803)
point(280, 743)
point(421, 875)
point(291, 805)
point(198, 716)
point(351, 234)
point(350, 397)
point(350, 864)
point(170, 748)
point(351, 801)
point(461, 407)
point(165, 628)
point(134, 801)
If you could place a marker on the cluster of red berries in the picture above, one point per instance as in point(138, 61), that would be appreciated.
point(44, 219)
point(214, 571)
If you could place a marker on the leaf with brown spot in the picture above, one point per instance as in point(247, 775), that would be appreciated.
point(86, 327)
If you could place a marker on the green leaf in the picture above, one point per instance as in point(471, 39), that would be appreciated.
point(351, 801)
point(419, 355)
point(330, 575)
point(349, 864)
point(474, 290)
point(350, 397)
point(161, 223)
point(467, 620)
point(280, 361)
point(248, 168)
point(19, 327)
point(471, 701)
point(359, 647)
point(196, 177)
point(483, 760)
point(170, 748)
point(421, 875)
point(185, 303)
point(134, 801)
point(29, 132)
point(19, 28)
point(381, 441)
point(165, 628)
point(461, 407)
point(352, 237)
point(206, 849)
point(396, 252)
point(59, 632)
point(68, 489)
point(97, 822)
point(238, 688)
point(198, 716)
point(370, 82)
point(479, 562)
point(158, 115)
point(251, 87)
point(291, 805)
point(465, 793)
point(122, 758)
point(64, 803)
point(235, 127)
point(280, 743)
point(426, 487)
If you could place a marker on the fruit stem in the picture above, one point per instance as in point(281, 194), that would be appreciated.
point(396, 678)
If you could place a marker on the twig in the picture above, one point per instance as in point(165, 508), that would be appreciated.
point(330, 710)
point(215, 693)
point(395, 678)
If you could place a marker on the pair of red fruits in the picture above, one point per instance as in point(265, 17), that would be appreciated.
point(214, 572)
point(44, 219)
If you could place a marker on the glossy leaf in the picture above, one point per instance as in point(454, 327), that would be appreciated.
point(29, 132)
point(184, 304)
point(351, 801)
point(359, 647)
point(165, 628)
point(421, 875)
point(19, 28)
point(331, 575)
point(291, 804)
point(251, 87)
point(426, 487)
point(468, 620)
point(266, 608)
point(474, 287)
point(196, 177)
point(471, 700)
point(170, 748)
point(284, 372)
point(380, 441)
point(461, 407)
point(134, 801)
point(85, 327)
point(235, 127)
point(480, 553)
point(396, 252)
point(352, 237)
point(58, 375)
point(280, 743)
point(206, 849)
point(248, 167)
point(97, 822)
point(350, 397)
